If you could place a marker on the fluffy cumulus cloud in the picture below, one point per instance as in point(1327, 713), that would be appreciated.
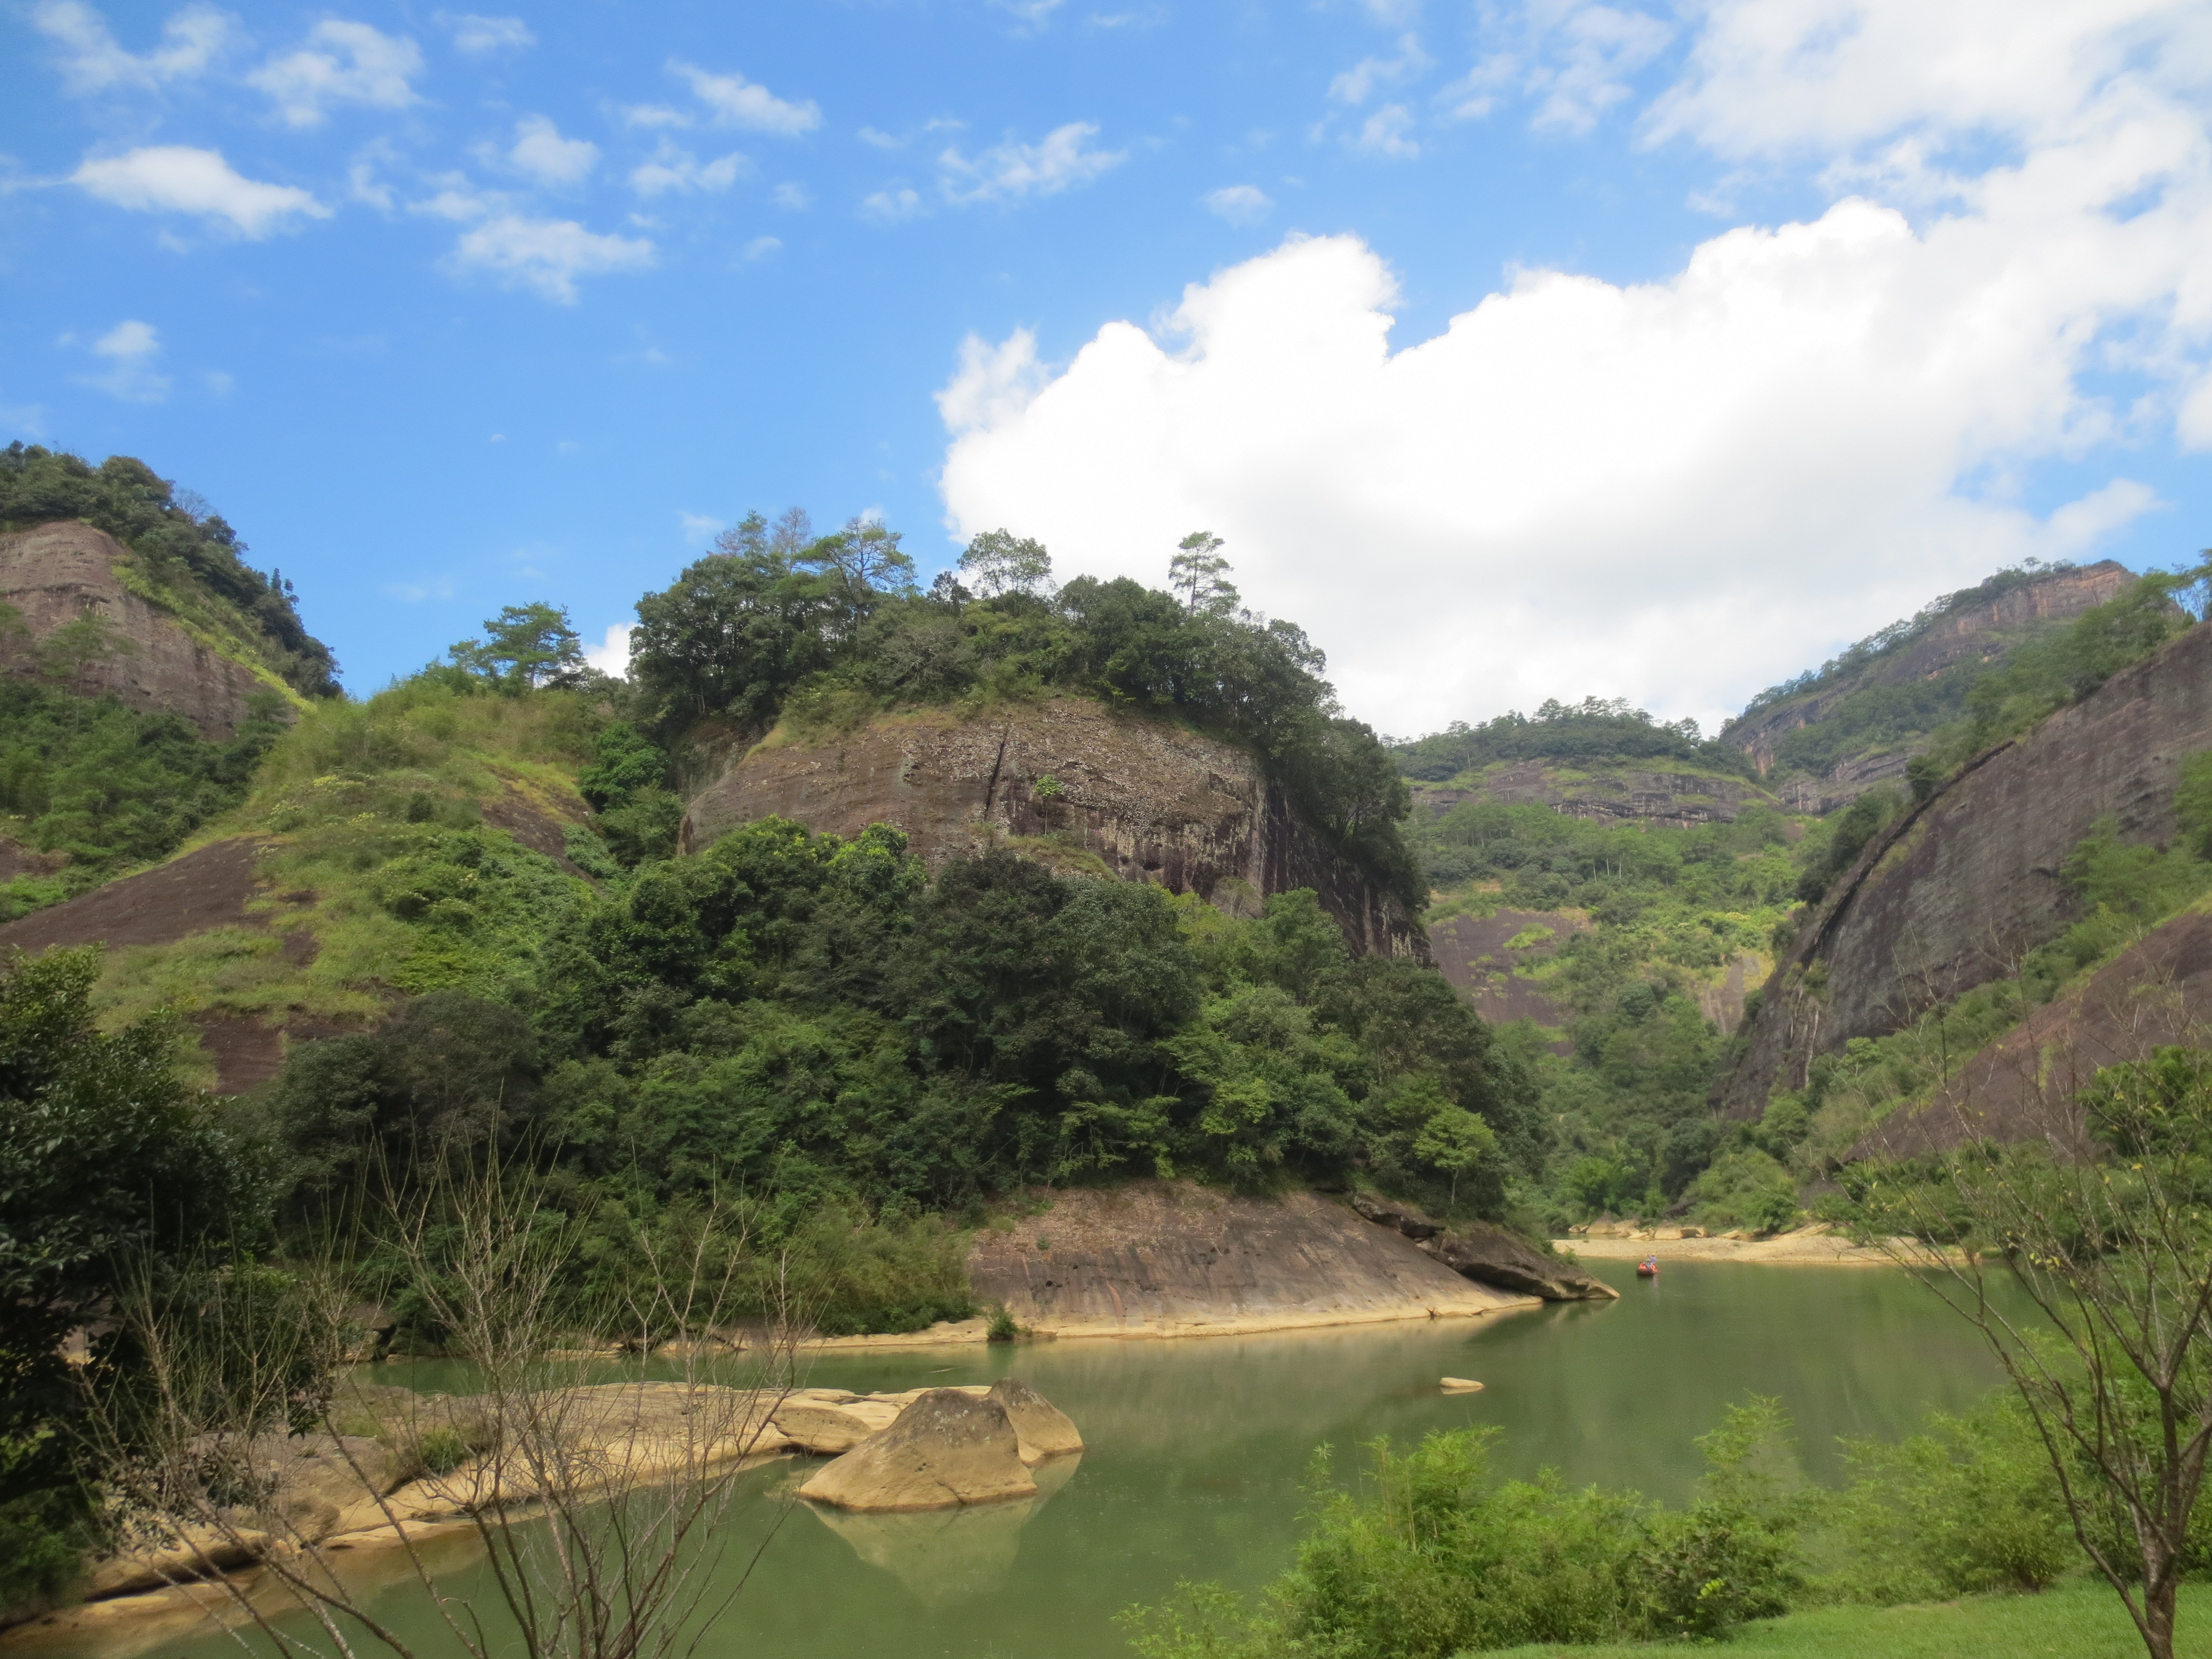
point(611, 654)
point(340, 62)
point(1680, 490)
point(670, 168)
point(545, 255)
point(94, 61)
point(177, 178)
point(540, 151)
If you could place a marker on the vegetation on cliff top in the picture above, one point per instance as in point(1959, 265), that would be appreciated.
point(1597, 730)
point(188, 557)
point(823, 631)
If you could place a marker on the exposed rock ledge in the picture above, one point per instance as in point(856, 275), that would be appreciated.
point(1170, 1258)
point(1488, 1254)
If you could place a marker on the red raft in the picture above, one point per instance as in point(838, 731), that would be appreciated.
point(1648, 1268)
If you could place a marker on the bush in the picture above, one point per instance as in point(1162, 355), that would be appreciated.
point(1970, 1504)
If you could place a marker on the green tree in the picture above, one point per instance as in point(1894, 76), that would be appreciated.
point(110, 1171)
point(1200, 574)
point(525, 646)
point(999, 562)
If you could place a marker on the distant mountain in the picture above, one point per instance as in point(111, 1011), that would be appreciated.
point(1826, 737)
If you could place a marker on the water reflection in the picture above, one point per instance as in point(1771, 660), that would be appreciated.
point(944, 1556)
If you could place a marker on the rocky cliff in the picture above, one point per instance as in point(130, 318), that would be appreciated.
point(1965, 885)
point(1070, 782)
point(59, 574)
point(1967, 628)
point(1679, 797)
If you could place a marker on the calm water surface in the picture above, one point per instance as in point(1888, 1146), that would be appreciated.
point(1197, 1447)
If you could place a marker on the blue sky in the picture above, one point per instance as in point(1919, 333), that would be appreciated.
point(1775, 318)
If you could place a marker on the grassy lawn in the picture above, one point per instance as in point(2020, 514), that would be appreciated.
point(2079, 1622)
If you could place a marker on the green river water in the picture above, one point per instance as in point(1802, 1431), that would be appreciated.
point(1197, 1448)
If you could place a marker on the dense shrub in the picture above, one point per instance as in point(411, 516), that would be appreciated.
point(181, 542)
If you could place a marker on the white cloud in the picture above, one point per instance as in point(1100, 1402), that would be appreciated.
point(480, 37)
point(1675, 492)
point(670, 168)
point(1385, 134)
point(1240, 204)
point(891, 205)
point(547, 255)
point(342, 62)
point(1031, 12)
point(1012, 172)
point(131, 348)
point(1363, 78)
point(791, 196)
point(93, 62)
point(699, 528)
point(176, 179)
point(762, 247)
point(737, 102)
point(1831, 75)
point(654, 115)
point(879, 140)
point(611, 655)
point(1573, 60)
point(541, 151)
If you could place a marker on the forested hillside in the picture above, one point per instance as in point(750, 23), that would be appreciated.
point(92, 785)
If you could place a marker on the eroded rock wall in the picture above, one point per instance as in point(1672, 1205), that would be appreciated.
point(57, 572)
point(1073, 783)
point(1963, 886)
point(1975, 633)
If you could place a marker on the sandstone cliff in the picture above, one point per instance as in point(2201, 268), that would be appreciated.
point(1978, 630)
point(56, 573)
point(1162, 1258)
point(1962, 886)
point(1073, 783)
point(1678, 797)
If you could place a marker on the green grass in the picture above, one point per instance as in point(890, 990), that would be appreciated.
point(2076, 1621)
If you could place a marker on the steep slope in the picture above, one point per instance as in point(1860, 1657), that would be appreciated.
point(1832, 733)
point(1072, 784)
point(415, 842)
point(1960, 887)
point(2022, 1084)
point(58, 576)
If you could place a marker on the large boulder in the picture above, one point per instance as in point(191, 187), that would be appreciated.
point(1042, 1429)
point(947, 1448)
point(1488, 1254)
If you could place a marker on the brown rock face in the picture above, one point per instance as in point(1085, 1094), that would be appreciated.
point(56, 573)
point(1488, 1255)
point(1170, 1258)
point(947, 1448)
point(1070, 782)
point(1961, 887)
point(1614, 794)
point(1976, 632)
point(2022, 1085)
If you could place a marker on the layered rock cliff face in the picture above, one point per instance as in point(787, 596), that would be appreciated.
point(1981, 632)
point(56, 573)
point(1073, 784)
point(1963, 885)
point(1680, 798)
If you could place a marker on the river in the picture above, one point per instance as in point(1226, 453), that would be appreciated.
point(1197, 1447)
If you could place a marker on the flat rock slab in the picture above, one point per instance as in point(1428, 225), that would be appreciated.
point(947, 1448)
point(1171, 1258)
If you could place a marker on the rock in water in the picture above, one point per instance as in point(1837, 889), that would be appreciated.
point(1041, 1428)
point(947, 1448)
point(1461, 1385)
point(1489, 1253)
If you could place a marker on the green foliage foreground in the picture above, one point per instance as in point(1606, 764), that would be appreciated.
point(1434, 1554)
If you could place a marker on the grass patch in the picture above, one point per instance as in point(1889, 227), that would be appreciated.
point(2075, 1621)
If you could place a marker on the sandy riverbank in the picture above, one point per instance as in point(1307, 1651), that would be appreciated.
point(1815, 1246)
